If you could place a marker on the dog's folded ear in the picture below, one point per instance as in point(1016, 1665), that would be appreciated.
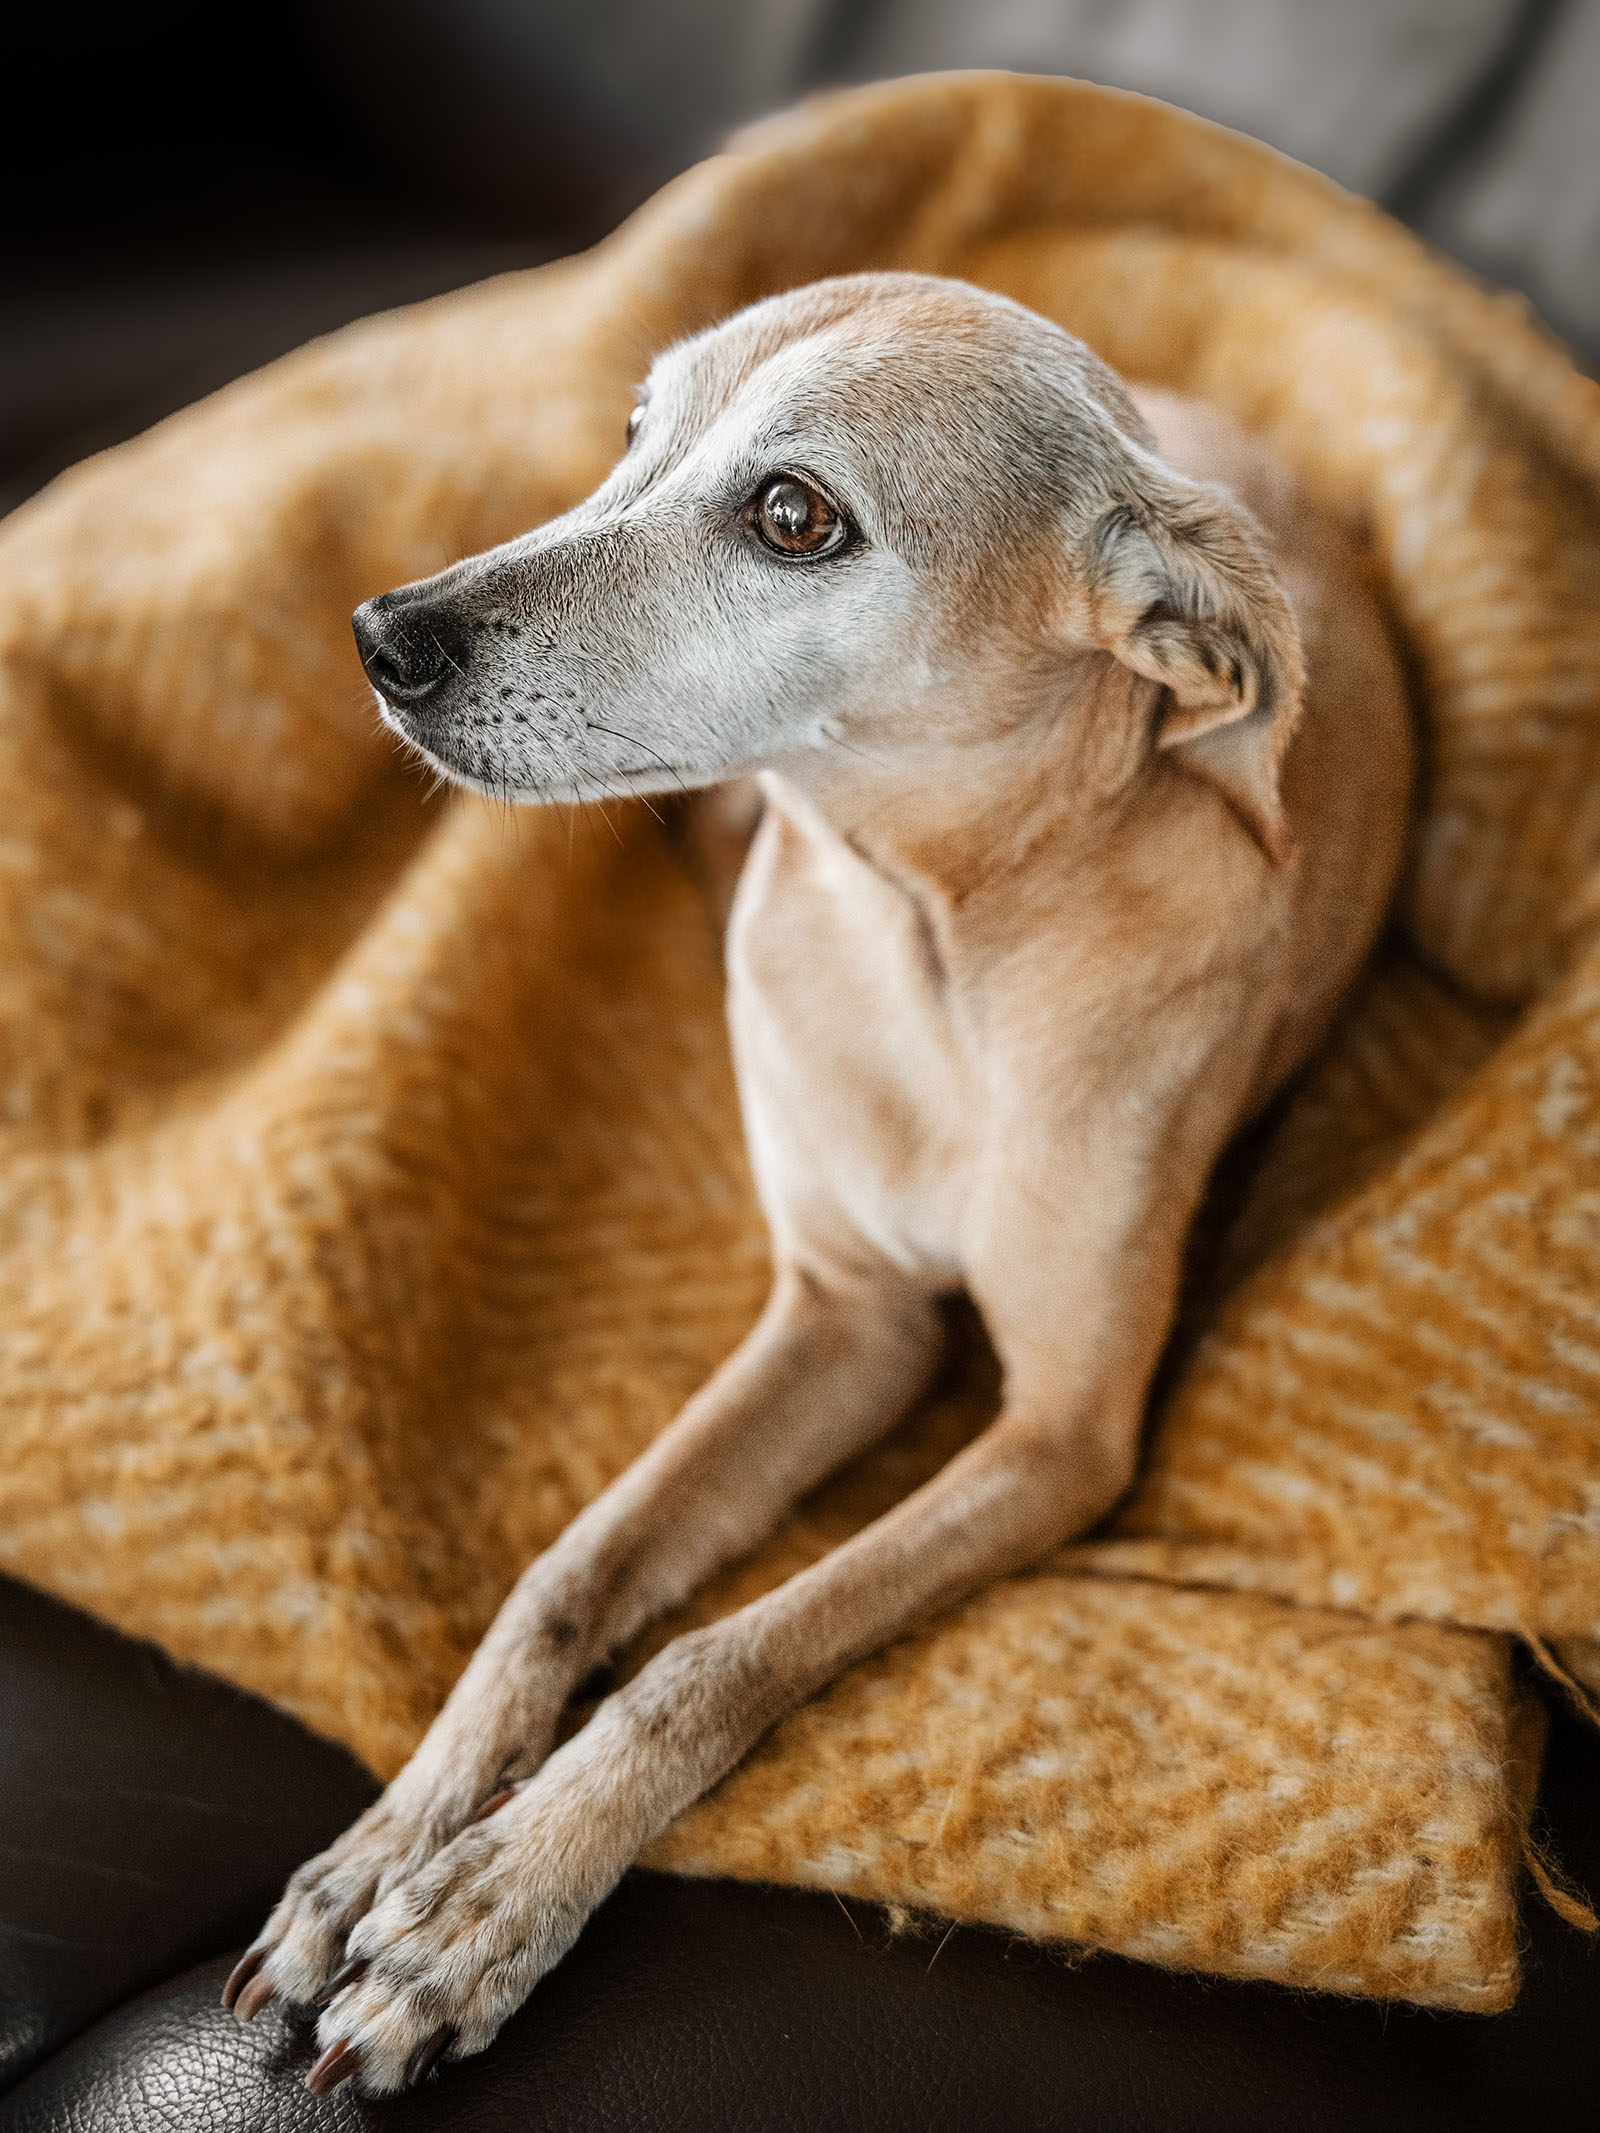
point(1178, 587)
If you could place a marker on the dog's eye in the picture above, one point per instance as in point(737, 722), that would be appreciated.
point(635, 417)
point(796, 519)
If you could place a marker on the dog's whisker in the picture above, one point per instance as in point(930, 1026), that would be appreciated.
point(622, 796)
point(445, 655)
point(630, 740)
point(644, 801)
point(852, 748)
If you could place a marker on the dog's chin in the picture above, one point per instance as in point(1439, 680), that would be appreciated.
point(508, 780)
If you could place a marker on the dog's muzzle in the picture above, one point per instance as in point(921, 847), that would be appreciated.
point(410, 646)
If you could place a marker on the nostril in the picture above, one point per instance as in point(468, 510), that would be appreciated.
point(405, 658)
point(387, 673)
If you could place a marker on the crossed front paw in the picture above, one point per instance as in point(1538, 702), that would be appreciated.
point(428, 1964)
point(437, 1966)
point(302, 1947)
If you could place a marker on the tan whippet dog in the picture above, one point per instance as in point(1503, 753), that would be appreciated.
point(1086, 764)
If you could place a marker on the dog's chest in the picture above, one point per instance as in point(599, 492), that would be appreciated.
point(856, 1079)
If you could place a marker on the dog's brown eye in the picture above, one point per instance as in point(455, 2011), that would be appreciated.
point(796, 519)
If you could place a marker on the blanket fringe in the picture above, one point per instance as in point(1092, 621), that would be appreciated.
point(1579, 1694)
point(1563, 1896)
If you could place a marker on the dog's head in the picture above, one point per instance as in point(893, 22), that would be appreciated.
point(868, 517)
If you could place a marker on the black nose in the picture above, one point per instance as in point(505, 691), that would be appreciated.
point(409, 646)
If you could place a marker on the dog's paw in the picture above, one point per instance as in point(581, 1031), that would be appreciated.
point(440, 1962)
point(300, 1951)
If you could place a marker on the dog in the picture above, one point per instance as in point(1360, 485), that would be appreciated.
point(1086, 764)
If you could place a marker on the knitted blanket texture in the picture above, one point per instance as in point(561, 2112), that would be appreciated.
point(372, 1184)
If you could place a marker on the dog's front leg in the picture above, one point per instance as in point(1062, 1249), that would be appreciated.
point(831, 1365)
point(449, 1954)
point(1077, 1285)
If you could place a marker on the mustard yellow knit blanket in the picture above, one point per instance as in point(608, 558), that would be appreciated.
point(372, 1185)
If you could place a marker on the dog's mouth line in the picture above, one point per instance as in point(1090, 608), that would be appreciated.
point(614, 782)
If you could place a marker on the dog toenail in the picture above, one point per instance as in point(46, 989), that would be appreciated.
point(338, 2063)
point(495, 1802)
point(346, 1974)
point(253, 1998)
point(242, 1972)
point(427, 2054)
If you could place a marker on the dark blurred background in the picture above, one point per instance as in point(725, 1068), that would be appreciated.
point(192, 189)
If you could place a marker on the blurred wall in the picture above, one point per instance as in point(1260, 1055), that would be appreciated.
point(1474, 119)
point(195, 187)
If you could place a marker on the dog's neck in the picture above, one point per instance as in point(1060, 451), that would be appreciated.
point(958, 815)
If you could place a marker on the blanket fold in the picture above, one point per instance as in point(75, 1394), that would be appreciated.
point(371, 1182)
